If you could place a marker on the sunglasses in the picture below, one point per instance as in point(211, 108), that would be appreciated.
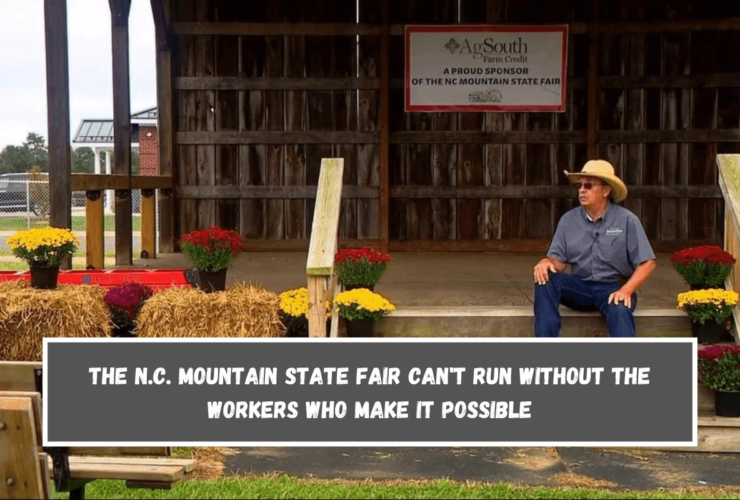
point(587, 185)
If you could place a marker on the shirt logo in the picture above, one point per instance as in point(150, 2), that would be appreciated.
point(613, 231)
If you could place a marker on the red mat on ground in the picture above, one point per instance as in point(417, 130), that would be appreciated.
point(156, 279)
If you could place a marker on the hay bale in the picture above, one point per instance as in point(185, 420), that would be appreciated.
point(27, 315)
point(242, 310)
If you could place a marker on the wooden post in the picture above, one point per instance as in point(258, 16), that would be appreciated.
point(592, 136)
point(94, 230)
point(148, 224)
point(20, 474)
point(121, 129)
point(384, 192)
point(57, 105)
point(323, 244)
point(729, 183)
point(168, 205)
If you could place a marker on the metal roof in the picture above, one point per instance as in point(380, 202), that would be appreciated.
point(94, 131)
point(150, 113)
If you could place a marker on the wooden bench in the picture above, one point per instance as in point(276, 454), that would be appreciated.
point(28, 469)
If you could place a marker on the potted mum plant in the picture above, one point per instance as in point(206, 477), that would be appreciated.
point(361, 308)
point(43, 249)
point(719, 370)
point(212, 251)
point(708, 311)
point(294, 312)
point(703, 266)
point(124, 303)
point(360, 267)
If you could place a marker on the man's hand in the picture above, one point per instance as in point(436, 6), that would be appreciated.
point(621, 295)
point(542, 271)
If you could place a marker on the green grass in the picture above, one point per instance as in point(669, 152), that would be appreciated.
point(290, 487)
point(78, 223)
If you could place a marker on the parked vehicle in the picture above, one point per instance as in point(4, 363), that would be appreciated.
point(22, 192)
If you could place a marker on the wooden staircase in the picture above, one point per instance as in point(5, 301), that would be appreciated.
point(715, 434)
point(518, 321)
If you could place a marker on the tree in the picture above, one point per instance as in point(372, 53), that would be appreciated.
point(31, 153)
point(83, 160)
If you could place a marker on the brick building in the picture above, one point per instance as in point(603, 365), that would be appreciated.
point(97, 134)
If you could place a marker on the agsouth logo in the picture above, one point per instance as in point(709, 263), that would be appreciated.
point(487, 47)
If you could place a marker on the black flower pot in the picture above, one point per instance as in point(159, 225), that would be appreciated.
point(360, 328)
point(353, 287)
point(300, 329)
point(708, 333)
point(123, 331)
point(212, 281)
point(727, 403)
point(701, 287)
point(44, 277)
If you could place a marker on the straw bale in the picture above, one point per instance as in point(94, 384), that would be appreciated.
point(27, 315)
point(242, 310)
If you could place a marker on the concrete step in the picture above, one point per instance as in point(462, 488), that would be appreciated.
point(482, 321)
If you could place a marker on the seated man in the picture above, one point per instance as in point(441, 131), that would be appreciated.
point(607, 249)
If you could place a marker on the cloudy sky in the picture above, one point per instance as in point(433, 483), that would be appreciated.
point(23, 64)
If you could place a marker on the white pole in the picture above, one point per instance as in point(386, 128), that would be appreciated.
point(97, 159)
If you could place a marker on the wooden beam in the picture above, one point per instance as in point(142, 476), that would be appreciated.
point(18, 375)
point(518, 245)
point(670, 81)
point(579, 28)
point(384, 202)
point(323, 244)
point(57, 105)
point(94, 230)
point(247, 137)
point(275, 83)
point(94, 182)
point(121, 128)
point(435, 137)
point(19, 462)
point(592, 135)
point(545, 192)
point(160, 13)
point(320, 260)
point(436, 192)
point(169, 207)
point(148, 224)
point(268, 192)
point(474, 137)
point(271, 29)
point(566, 137)
point(728, 24)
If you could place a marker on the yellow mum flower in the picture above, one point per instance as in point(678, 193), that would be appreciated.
point(47, 245)
point(295, 303)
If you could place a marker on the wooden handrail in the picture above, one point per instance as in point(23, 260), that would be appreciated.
point(93, 184)
point(98, 182)
point(322, 280)
point(729, 183)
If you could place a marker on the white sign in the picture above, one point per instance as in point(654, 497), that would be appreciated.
point(486, 68)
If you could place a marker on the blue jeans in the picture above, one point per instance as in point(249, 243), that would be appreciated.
point(619, 318)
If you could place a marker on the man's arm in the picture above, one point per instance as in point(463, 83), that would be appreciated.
point(544, 267)
point(638, 278)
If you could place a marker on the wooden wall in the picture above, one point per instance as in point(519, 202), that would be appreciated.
point(263, 91)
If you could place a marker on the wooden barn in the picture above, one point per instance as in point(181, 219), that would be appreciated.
point(251, 96)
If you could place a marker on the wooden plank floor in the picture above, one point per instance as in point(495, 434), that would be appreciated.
point(433, 279)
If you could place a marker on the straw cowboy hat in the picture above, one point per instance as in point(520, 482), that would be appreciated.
point(603, 170)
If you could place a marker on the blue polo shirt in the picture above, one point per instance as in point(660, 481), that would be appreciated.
point(606, 250)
